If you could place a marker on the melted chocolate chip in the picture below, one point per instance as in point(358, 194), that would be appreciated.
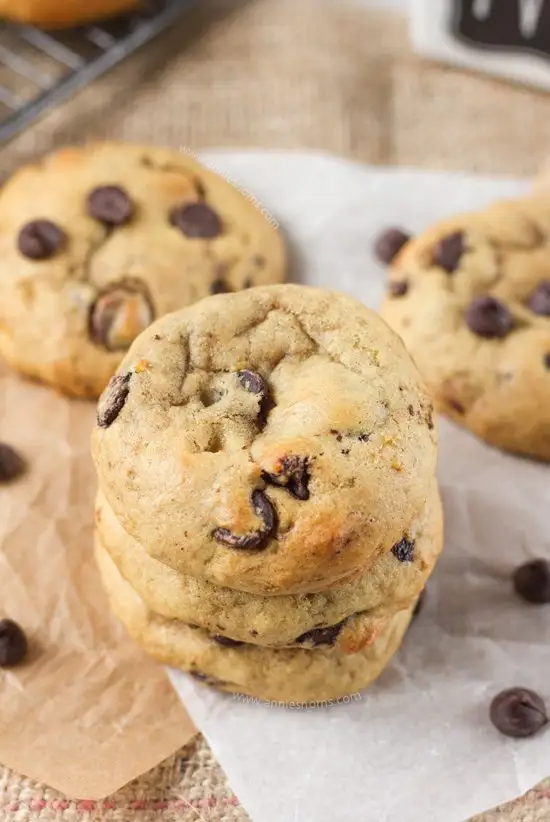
point(12, 465)
point(41, 240)
point(110, 205)
point(539, 301)
point(488, 317)
point(226, 641)
point(389, 243)
point(13, 643)
point(398, 288)
point(404, 550)
point(518, 712)
point(449, 251)
point(113, 399)
point(263, 509)
point(219, 287)
point(118, 315)
point(322, 636)
point(532, 581)
point(196, 220)
point(254, 383)
point(294, 476)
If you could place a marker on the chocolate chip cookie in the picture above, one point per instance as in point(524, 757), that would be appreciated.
point(297, 675)
point(96, 242)
point(471, 299)
point(61, 13)
point(276, 441)
point(325, 619)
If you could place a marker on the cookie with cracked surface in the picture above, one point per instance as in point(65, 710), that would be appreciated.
point(98, 241)
point(324, 618)
point(286, 675)
point(471, 299)
point(62, 13)
point(275, 441)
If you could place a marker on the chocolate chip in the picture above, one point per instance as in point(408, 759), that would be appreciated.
point(263, 509)
point(118, 315)
point(294, 476)
point(411, 411)
point(12, 464)
point(113, 399)
point(226, 641)
point(419, 603)
point(398, 288)
point(364, 437)
point(110, 205)
point(196, 220)
point(429, 417)
point(41, 239)
point(404, 550)
point(254, 383)
point(488, 317)
point(455, 405)
point(389, 243)
point(219, 287)
point(539, 301)
point(322, 636)
point(13, 643)
point(532, 581)
point(518, 712)
point(449, 251)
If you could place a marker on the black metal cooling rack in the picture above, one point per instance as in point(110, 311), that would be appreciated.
point(39, 69)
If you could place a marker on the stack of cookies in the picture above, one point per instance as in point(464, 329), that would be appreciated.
point(268, 512)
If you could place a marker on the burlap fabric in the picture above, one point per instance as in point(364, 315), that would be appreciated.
point(288, 74)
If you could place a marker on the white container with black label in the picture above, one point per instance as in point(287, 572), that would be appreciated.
point(510, 38)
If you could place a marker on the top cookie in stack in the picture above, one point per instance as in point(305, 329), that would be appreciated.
point(276, 441)
point(96, 242)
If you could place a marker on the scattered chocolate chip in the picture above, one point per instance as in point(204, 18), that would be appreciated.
point(263, 509)
point(196, 220)
point(219, 287)
point(389, 243)
point(41, 239)
point(488, 317)
point(13, 643)
point(539, 301)
point(294, 476)
point(336, 434)
point(12, 464)
point(547, 360)
point(118, 315)
point(110, 205)
point(322, 636)
point(518, 712)
point(404, 550)
point(113, 399)
point(226, 641)
point(449, 250)
point(532, 581)
point(398, 288)
point(419, 603)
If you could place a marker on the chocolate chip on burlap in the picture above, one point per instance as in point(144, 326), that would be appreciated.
point(196, 220)
point(41, 239)
point(532, 581)
point(113, 399)
point(389, 243)
point(518, 712)
point(488, 317)
point(110, 205)
point(13, 643)
point(12, 464)
point(448, 252)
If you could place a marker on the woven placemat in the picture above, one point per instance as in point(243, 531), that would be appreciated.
point(315, 74)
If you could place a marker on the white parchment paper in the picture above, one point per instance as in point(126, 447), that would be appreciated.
point(417, 746)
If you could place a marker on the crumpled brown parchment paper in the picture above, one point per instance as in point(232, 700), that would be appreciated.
point(87, 711)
